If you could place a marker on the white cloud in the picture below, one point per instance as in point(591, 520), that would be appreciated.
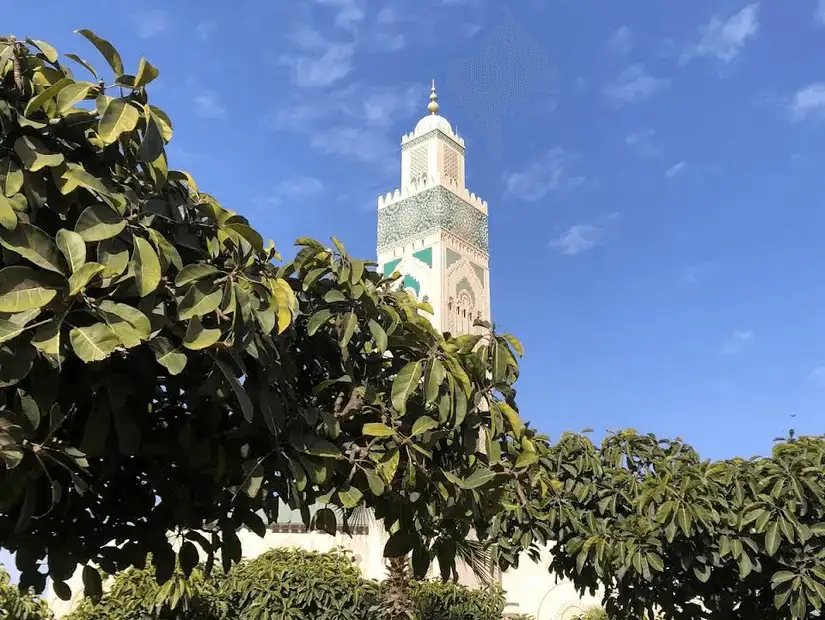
point(620, 41)
point(736, 342)
point(549, 173)
point(819, 14)
point(331, 66)
point(808, 100)
point(151, 23)
point(388, 41)
point(634, 84)
point(205, 29)
point(356, 121)
point(296, 188)
point(308, 38)
point(675, 169)
point(300, 186)
point(349, 13)
point(724, 39)
point(642, 142)
point(581, 238)
point(207, 105)
point(818, 375)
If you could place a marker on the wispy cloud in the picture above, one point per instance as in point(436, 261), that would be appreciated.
point(634, 84)
point(205, 29)
point(736, 342)
point(724, 39)
point(296, 188)
point(620, 41)
point(582, 238)
point(355, 121)
point(348, 13)
point(313, 71)
point(819, 13)
point(675, 169)
point(151, 23)
point(207, 105)
point(818, 376)
point(641, 142)
point(550, 173)
point(808, 101)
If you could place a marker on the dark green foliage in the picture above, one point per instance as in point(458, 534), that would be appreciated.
point(440, 600)
point(161, 371)
point(662, 530)
point(289, 584)
point(19, 605)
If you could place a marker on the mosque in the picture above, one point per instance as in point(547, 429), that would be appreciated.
point(435, 232)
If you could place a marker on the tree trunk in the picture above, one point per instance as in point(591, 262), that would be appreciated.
point(397, 604)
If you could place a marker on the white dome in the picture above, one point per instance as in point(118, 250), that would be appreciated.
point(433, 121)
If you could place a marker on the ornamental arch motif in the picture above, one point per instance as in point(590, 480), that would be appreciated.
point(466, 298)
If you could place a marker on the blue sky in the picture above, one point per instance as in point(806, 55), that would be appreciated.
point(656, 203)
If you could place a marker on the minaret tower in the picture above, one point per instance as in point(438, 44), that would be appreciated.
point(433, 230)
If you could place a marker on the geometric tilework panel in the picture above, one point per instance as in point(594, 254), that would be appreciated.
point(452, 257)
point(428, 211)
point(390, 266)
point(425, 256)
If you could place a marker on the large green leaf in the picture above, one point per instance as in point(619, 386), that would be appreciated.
point(137, 319)
point(240, 392)
point(16, 324)
point(318, 319)
point(34, 154)
point(404, 384)
point(37, 102)
point(377, 429)
point(145, 74)
point(93, 343)
point(193, 272)
point(106, 49)
point(198, 337)
point(168, 356)
point(72, 94)
point(202, 298)
point(8, 218)
point(11, 177)
point(73, 247)
point(47, 337)
point(24, 288)
point(379, 335)
point(422, 425)
point(350, 496)
point(99, 222)
point(433, 378)
point(78, 176)
point(479, 478)
point(48, 50)
point(32, 243)
point(146, 265)
point(84, 274)
point(350, 322)
point(120, 117)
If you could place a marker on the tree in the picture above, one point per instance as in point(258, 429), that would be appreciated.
point(20, 605)
point(668, 535)
point(162, 371)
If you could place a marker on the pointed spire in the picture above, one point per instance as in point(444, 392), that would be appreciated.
point(433, 105)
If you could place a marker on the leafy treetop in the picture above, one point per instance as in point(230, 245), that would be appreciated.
point(162, 371)
point(281, 583)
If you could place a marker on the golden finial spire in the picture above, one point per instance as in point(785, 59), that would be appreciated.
point(433, 105)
